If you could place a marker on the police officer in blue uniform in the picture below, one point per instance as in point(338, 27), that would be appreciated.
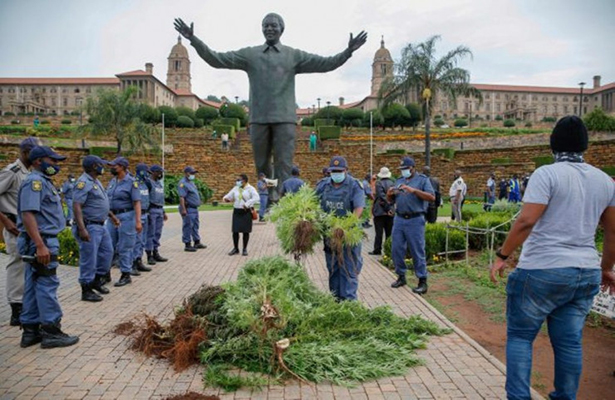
point(40, 220)
point(125, 204)
point(263, 195)
point(292, 184)
point(325, 178)
point(157, 216)
point(341, 194)
point(189, 202)
point(67, 191)
point(412, 194)
point(91, 209)
point(142, 179)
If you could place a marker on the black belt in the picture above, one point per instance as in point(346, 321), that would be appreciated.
point(154, 206)
point(88, 222)
point(12, 217)
point(410, 215)
point(122, 211)
point(194, 208)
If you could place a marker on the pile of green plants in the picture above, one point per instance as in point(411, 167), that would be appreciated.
point(171, 196)
point(274, 321)
point(299, 221)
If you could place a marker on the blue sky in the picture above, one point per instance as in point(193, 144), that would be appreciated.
point(526, 42)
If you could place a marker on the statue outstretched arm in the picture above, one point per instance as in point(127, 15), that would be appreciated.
point(308, 63)
point(228, 60)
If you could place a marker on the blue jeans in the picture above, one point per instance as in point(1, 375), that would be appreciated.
point(409, 233)
point(562, 297)
point(264, 199)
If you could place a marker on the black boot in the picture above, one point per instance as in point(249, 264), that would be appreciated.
point(31, 335)
point(158, 257)
point(140, 266)
point(401, 281)
point(124, 280)
point(106, 278)
point(87, 294)
point(134, 271)
point(422, 287)
point(98, 284)
point(189, 248)
point(199, 245)
point(150, 258)
point(54, 337)
point(15, 313)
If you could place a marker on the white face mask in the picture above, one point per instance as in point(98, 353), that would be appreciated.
point(238, 183)
point(192, 177)
point(405, 173)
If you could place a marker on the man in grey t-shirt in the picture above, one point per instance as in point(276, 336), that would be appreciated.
point(559, 271)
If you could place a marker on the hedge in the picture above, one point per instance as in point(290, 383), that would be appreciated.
point(220, 129)
point(447, 152)
point(329, 132)
point(235, 122)
point(323, 122)
point(435, 242)
point(184, 121)
point(396, 151)
point(100, 151)
point(610, 170)
point(503, 160)
point(542, 160)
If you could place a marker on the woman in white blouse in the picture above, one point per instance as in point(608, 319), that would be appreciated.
point(244, 197)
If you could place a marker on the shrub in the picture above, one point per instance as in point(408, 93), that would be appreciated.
point(230, 110)
point(235, 122)
point(352, 117)
point(460, 123)
point(184, 121)
point(609, 170)
point(101, 151)
point(498, 118)
point(149, 114)
point(69, 248)
point(330, 112)
point(438, 122)
point(66, 122)
point(435, 242)
point(486, 221)
point(307, 121)
point(170, 115)
point(502, 160)
point(185, 111)
point(598, 120)
point(505, 207)
point(395, 115)
point(14, 122)
point(329, 132)
point(548, 119)
point(542, 160)
point(528, 124)
point(199, 123)
point(509, 123)
point(396, 151)
point(9, 114)
point(207, 114)
point(45, 122)
point(75, 113)
point(318, 122)
point(447, 152)
point(170, 189)
point(220, 129)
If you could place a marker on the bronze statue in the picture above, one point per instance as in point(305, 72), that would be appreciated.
point(271, 69)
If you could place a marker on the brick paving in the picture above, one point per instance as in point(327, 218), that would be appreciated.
point(101, 366)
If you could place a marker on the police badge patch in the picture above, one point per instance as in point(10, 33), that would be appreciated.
point(136, 184)
point(80, 185)
point(37, 186)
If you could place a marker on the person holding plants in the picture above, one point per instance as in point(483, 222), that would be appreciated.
point(559, 271)
point(244, 197)
point(125, 204)
point(40, 219)
point(412, 194)
point(340, 195)
point(189, 202)
point(157, 216)
point(91, 209)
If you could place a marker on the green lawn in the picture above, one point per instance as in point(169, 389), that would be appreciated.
point(445, 210)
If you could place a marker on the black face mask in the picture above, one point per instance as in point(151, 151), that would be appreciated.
point(114, 172)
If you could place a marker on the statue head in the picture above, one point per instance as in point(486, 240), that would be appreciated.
point(273, 27)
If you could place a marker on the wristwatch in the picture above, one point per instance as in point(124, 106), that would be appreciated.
point(499, 254)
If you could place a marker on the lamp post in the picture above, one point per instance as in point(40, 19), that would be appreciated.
point(318, 100)
point(581, 84)
point(236, 99)
point(328, 104)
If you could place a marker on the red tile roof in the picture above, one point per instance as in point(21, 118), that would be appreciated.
point(59, 81)
point(136, 72)
point(183, 92)
point(539, 89)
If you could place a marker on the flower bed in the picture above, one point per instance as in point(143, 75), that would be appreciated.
point(398, 138)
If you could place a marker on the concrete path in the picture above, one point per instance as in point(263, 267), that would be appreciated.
point(101, 366)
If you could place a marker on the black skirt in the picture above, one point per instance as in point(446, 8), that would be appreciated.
point(242, 220)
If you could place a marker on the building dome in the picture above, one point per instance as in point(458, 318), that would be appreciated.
point(179, 50)
point(382, 54)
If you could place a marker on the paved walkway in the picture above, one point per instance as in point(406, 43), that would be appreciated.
point(101, 366)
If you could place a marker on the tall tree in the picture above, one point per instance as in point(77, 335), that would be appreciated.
point(420, 71)
point(116, 114)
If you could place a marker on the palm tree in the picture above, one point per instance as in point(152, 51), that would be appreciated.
point(420, 72)
point(116, 114)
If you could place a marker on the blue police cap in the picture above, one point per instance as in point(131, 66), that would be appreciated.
point(338, 163)
point(142, 167)
point(42, 152)
point(91, 160)
point(120, 161)
point(29, 143)
point(294, 170)
point(407, 162)
point(190, 170)
point(156, 168)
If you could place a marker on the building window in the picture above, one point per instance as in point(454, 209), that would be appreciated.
point(88, 89)
point(554, 98)
point(383, 69)
point(565, 109)
point(64, 90)
point(585, 99)
point(565, 98)
point(53, 90)
point(506, 97)
point(77, 90)
point(524, 97)
point(65, 102)
point(498, 107)
point(544, 98)
point(497, 96)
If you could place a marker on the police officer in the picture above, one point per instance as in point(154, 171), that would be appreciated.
point(341, 194)
point(263, 194)
point(142, 179)
point(157, 216)
point(189, 202)
point(40, 220)
point(412, 194)
point(67, 193)
point(292, 184)
point(125, 203)
point(91, 209)
point(325, 177)
point(10, 181)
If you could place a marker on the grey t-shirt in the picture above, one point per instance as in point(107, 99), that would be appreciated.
point(576, 195)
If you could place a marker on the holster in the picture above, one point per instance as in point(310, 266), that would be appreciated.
point(39, 268)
